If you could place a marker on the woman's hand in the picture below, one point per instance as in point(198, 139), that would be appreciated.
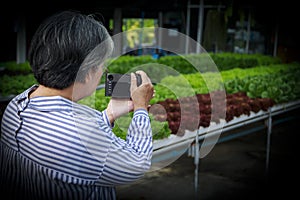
point(118, 107)
point(140, 97)
point(143, 94)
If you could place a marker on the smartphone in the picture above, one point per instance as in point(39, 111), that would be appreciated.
point(118, 85)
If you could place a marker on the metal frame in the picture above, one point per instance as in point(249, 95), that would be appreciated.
point(175, 146)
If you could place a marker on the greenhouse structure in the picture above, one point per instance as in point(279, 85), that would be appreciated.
point(224, 72)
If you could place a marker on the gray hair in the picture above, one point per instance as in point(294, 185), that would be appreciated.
point(66, 47)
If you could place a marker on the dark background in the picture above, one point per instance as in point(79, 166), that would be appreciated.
point(267, 15)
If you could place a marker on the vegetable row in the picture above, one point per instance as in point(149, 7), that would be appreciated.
point(188, 99)
point(184, 102)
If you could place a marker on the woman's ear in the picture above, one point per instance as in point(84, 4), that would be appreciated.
point(88, 77)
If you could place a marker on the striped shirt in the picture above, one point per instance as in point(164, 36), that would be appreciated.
point(53, 148)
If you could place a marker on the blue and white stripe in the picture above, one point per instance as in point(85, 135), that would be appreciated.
point(54, 148)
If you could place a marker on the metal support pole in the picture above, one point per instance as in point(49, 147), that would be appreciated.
point(196, 161)
point(248, 33)
point(276, 41)
point(140, 50)
point(21, 40)
point(188, 22)
point(200, 25)
point(118, 40)
point(269, 125)
point(160, 25)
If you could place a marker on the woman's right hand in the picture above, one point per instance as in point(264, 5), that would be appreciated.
point(141, 95)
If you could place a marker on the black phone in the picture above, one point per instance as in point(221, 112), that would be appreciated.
point(118, 85)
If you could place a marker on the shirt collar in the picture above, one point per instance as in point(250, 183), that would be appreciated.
point(51, 103)
point(22, 99)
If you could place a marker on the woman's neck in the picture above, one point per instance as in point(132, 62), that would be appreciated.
point(46, 91)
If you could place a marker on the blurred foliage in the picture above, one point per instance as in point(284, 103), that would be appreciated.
point(18, 77)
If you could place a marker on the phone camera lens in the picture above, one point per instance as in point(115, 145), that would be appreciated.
point(110, 77)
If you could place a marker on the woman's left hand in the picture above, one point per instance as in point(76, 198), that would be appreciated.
point(118, 107)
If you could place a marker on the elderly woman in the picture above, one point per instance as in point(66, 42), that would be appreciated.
point(55, 148)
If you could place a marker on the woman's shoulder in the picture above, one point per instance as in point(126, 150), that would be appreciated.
point(85, 110)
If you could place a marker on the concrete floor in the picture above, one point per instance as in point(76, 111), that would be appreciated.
point(235, 169)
